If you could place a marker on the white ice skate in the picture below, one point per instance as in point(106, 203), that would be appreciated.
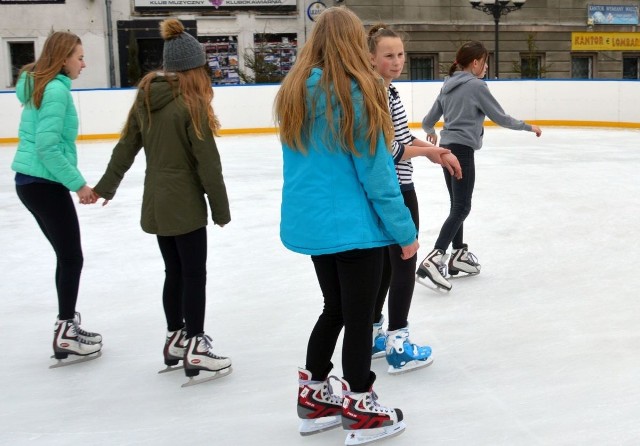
point(463, 261)
point(366, 420)
point(319, 408)
point(378, 339)
point(403, 356)
point(435, 269)
point(174, 349)
point(67, 341)
point(200, 357)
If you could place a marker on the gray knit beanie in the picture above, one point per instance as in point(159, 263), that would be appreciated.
point(181, 51)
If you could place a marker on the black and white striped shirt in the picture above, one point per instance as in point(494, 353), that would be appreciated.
point(402, 136)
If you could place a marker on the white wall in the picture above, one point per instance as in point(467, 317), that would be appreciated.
point(249, 108)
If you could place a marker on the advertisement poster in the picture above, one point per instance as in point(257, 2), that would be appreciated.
point(612, 15)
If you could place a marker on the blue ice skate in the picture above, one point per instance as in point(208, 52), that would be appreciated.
point(402, 355)
point(379, 339)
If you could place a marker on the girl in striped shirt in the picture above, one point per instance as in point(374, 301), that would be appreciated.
point(398, 276)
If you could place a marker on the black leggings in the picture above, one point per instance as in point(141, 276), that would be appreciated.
point(460, 193)
point(398, 276)
point(349, 282)
point(184, 293)
point(55, 213)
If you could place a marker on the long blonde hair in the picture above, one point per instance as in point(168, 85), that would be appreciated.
point(193, 87)
point(337, 45)
point(58, 47)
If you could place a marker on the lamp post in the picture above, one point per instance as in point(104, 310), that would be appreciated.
point(497, 9)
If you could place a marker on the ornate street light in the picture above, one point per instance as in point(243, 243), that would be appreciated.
point(497, 9)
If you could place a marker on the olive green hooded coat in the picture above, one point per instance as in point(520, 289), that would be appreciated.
point(181, 168)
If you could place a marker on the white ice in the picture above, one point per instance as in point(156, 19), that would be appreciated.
point(542, 348)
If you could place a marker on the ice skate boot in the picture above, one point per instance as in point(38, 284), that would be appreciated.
point(86, 335)
point(434, 269)
point(319, 409)
point(174, 349)
point(367, 421)
point(199, 356)
point(378, 340)
point(66, 341)
point(463, 261)
point(402, 355)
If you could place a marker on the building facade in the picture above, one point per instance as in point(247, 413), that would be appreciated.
point(257, 40)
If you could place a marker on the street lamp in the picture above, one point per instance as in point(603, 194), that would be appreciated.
point(497, 9)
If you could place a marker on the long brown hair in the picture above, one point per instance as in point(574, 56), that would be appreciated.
point(193, 87)
point(58, 47)
point(467, 53)
point(337, 45)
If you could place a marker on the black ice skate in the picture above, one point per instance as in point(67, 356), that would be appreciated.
point(174, 349)
point(435, 269)
point(463, 261)
point(67, 341)
point(199, 357)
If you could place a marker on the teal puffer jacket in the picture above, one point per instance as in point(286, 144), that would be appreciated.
point(47, 135)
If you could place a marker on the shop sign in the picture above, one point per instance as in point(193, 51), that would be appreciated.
point(593, 41)
point(215, 4)
point(612, 15)
point(315, 9)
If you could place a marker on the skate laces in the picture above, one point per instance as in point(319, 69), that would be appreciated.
point(208, 344)
point(327, 391)
point(75, 328)
point(372, 398)
point(470, 257)
point(79, 330)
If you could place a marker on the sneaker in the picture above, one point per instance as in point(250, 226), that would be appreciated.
point(403, 355)
point(435, 269)
point(319, 408)
point(86, 335)
point(175, 346)
point(463, 260)
point(66, 341)
point(366, 419)
point(378, 340)
point(199, 356)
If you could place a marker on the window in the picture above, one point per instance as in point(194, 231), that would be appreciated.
point(422, 68)
point(21, 53)
point(582, 67)
point(631, 67)
point(531, 66)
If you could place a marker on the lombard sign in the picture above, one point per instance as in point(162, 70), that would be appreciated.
point(222, 5)
point(594, 41)
point(315, 9)
point(612, 15)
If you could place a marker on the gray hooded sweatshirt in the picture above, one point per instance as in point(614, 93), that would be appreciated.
point(465, 100)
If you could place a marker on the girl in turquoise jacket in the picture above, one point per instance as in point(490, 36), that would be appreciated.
point(341, 204)
point(46, 170)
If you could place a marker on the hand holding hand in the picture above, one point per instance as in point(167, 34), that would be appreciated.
point(451, 163)
point(97, 197)
point(85, 195)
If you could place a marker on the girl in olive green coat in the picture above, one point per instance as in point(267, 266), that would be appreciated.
point(173, 120)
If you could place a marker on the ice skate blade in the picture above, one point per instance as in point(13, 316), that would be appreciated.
point(170, 368)
point(411, 366)
point(379, 355)
point(311, 427)
point(364, 436)
point(215, 375)
point(428, 283)
point(461, 274)
point(77, 360)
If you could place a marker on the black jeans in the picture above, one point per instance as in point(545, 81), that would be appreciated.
point(460, 192)
point(398, 276)
point(349, 282)
point(184, 293)
point(55, 213)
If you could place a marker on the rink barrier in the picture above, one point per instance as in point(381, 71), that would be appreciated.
point(246, 109)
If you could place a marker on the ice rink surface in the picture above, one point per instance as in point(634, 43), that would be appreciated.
point(542, 348)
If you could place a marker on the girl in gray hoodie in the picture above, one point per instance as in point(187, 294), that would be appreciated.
point(464, 101)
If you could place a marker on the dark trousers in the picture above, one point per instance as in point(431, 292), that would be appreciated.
point(55, 213)
point(184, 293)
point(398, 276)
point(349, 282)
point(460, 192)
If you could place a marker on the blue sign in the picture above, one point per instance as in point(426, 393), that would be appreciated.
point(315, 9)
point(612, 15)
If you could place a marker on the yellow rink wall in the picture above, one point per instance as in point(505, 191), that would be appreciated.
point(249, 108)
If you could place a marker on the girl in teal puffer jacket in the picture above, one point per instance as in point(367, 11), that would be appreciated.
point(46, 170)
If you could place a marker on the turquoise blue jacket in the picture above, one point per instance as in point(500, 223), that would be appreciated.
point(333, 201)
point(47, 136)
